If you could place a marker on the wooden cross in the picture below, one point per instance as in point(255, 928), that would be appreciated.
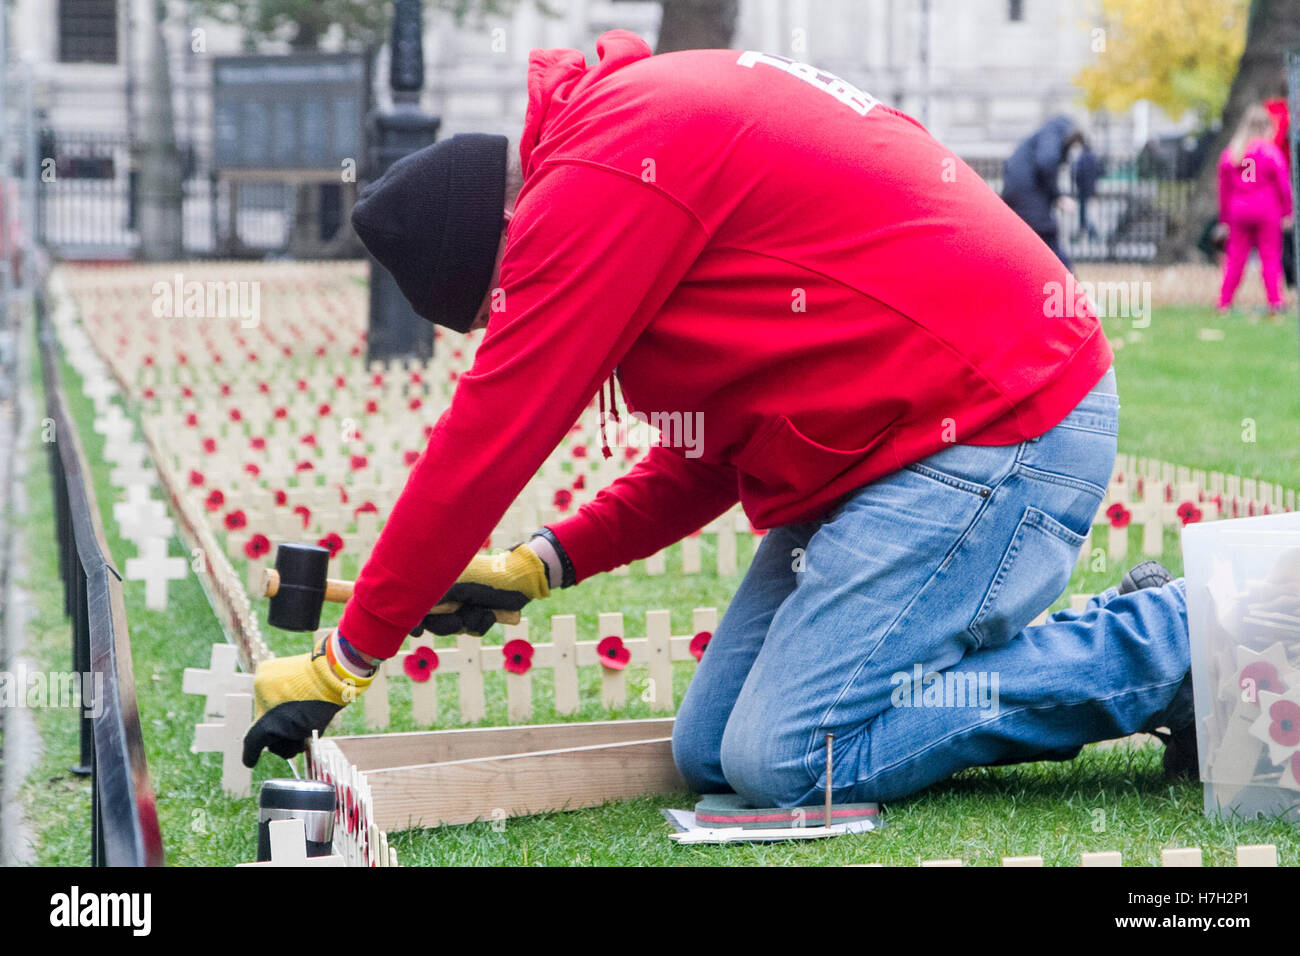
point(155, 569)
point(289, 847)
point(226, 737)
point(98, 389)
point(141, 517)
point(116, 428)
point(132, 471)
point(221, 678)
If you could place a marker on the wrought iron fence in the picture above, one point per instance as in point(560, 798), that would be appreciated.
point(124, 816)
point(1137, 203)
point(89, 186)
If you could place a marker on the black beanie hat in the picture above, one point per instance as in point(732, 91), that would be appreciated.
point(434, 219)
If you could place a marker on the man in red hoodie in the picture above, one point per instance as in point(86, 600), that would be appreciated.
point(894, 378)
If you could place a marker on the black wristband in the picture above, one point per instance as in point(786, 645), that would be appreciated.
point(568, 577)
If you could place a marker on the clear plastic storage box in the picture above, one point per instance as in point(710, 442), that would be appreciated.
point(1243, 611)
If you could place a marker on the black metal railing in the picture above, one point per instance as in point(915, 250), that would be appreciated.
point(124, 815)
point(1137, 203)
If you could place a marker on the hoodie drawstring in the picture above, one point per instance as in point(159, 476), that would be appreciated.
point(611, 383)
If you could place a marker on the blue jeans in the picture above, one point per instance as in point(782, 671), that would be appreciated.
point(899, 623)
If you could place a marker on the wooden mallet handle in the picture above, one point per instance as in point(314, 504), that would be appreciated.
point(339, 591)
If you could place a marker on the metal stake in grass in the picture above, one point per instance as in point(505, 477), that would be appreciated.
point(830, 739)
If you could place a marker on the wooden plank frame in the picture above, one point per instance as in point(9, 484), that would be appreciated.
point(437, 778)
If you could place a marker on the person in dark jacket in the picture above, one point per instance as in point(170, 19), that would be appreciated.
point(1087, 169)
point(1029, 178)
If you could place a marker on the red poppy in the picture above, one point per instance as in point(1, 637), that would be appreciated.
point(1285, 728)
point(252, 469)
point(286, 350)
point(281, 498)
point(1189, 513)
point(457, 353)
point(415, 378)
point(372, 406)
point(367, 508)
point(259, 444)
point(215, 500)
point(356, 350)
point(305, 513)
point(410, 458)
point(184, 360)
point(264, 388)
point(302, 385)
point(252, 356)
point(340, 381)
point(1169, 493)
point(579, 451)
point(377, 379)
point(281, 412)
point(332, 543)
point(216, 359)
point(630, 453)
point(192, 420)
point(580, 482)
point(196, 478)
point(148, 393)
point(453, 376)
point(1119, 515)
point(1261, 675)
point(209, 445)
point(428, 431)
point(308, 439)
point(358, 462)
point(148, 360)
point(343, 494)
point(304, 466)
point(323, 409)
point(187, 392)
point(420, 664)
point(320, 352)
point(256, 546)
point(563, 498)
point(236, 415)
point(519, 655)
point(225, 390)
point(235, 520)
point(699, 642)
point(414, 404)
point(612, 652)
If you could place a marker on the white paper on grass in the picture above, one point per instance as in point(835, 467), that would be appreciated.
point(688, 831)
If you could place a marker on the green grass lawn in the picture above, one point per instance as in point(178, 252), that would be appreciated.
point(1183, 400)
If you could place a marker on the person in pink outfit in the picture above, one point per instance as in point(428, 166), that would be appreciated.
point(1254, 205)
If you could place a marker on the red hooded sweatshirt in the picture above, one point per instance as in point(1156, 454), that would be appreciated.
point(747, 238)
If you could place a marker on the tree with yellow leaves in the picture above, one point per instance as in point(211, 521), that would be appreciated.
point(1179, 54)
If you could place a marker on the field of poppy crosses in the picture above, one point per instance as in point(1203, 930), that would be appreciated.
point(282, 432)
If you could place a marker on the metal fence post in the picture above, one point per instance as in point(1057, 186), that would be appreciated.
point(81, 665)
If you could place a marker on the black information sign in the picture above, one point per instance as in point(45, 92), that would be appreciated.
point(298, 112)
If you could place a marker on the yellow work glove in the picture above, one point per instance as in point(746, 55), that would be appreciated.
point(294, 696)
point(503, 582)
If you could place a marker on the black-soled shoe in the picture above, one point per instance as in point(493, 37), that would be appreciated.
point(1148, 574)
point(1180, 758)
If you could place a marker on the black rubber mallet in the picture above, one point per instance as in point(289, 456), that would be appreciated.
point(299, 586)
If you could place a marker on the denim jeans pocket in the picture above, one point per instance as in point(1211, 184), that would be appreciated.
point(1034, 572)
